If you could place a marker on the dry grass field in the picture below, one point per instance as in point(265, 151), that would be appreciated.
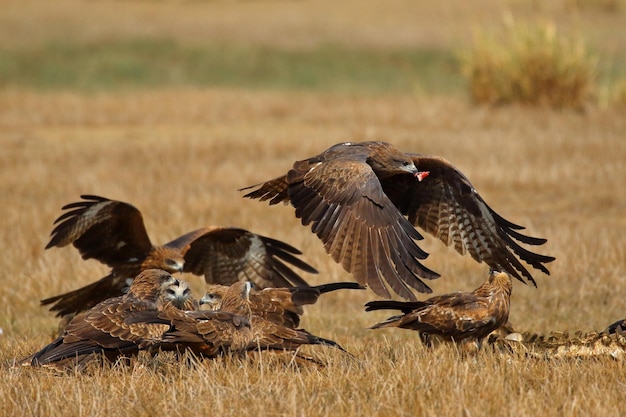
point(181, 154)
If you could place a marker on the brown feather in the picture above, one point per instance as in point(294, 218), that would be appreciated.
point(110, 328)
point(456, 316)
point(263, 321)
point(113, 233)
point(282, 306)
point(364, 199)
point(446, 205)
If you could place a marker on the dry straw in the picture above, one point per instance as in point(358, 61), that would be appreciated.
point(529, 63)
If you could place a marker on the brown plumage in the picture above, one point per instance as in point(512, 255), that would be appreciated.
point(205, 333)
point(180, 296)
point(282, 306)
point(248, 331)
point(459, 317)
point(364, 199)
point(111, 329)
point(113, 232)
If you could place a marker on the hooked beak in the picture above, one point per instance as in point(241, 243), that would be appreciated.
point(213, 300)
point(206, 299)
point(410, 168)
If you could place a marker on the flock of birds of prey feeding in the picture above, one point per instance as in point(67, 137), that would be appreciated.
point(365, 201)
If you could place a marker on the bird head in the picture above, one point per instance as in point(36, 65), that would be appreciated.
point(237, 298)
point(150, 283)
point(212, 300)
point(177, 293)
point(500, 280)
point(386, 160)
point(165, 258)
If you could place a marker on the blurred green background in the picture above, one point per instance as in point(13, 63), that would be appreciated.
point(352, 47)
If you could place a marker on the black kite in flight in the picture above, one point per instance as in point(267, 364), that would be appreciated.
point(364, 199)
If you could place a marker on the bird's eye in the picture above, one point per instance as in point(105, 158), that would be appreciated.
point(170, 291)
point(170, 262)
point(187, 291)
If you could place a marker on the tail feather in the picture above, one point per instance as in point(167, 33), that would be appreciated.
point(309, 295)
point(333, 286)
point(619, 327)
point(403, 306)
point(392, 321)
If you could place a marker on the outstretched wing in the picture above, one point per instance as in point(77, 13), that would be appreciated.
point(275, 190)
point(356, 197)
point(446, 205)
point(342, 199)
point(225, 255)
point(110, 231)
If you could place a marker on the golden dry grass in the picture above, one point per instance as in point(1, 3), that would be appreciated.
point(180, 156)
point(530, 63)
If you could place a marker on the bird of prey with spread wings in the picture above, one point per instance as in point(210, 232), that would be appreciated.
point(113, 232)
point(110, 330)
point(282, 306)
point(463, 317)
point(364, 199)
